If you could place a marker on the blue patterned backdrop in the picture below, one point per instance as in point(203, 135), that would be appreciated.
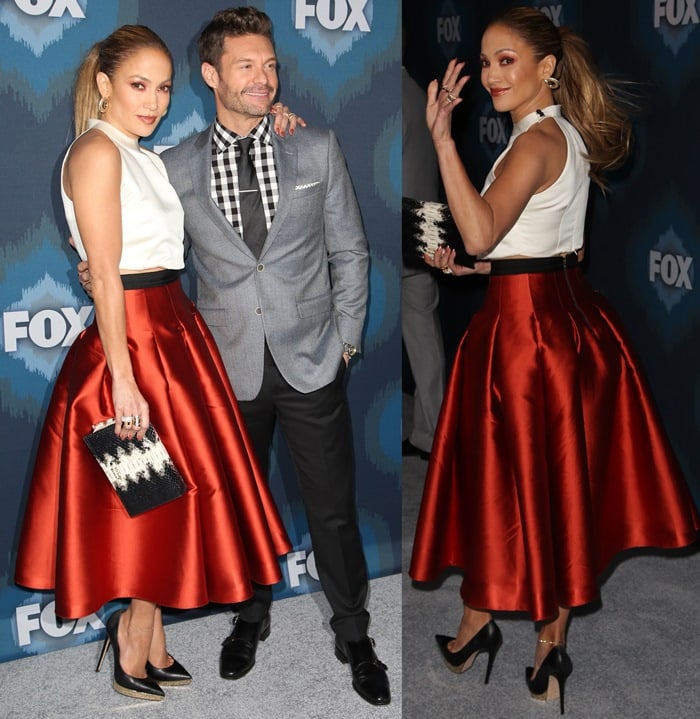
point(644, 236)
point(344, 75)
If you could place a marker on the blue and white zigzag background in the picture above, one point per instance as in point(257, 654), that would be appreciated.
point(344, 76)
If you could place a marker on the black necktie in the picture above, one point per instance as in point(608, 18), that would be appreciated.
point(250, 202)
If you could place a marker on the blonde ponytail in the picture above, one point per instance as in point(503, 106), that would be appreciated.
point(85, 94)
point(594, 105)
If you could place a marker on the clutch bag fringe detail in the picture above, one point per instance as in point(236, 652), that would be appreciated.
point(427, 225)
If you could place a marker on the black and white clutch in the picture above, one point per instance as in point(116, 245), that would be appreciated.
point(425, 227)
point(141, 472)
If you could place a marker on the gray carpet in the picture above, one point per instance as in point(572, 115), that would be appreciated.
point(636, 656)
point(296, 675)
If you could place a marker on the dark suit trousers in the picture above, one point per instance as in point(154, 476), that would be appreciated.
point(316, 429)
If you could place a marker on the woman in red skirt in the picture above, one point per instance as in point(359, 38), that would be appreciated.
point(549, 457)
point(148, 358)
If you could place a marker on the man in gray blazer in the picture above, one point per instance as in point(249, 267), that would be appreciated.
point(285, 300)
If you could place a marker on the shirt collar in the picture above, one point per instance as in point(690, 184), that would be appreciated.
point(223, 138)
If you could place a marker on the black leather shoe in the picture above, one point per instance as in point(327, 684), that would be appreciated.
point(369, 677)
point(126, 684)
point(487, 639)
point(558, 666)
point(172, 676)
point(238, 649)
point(410, 450)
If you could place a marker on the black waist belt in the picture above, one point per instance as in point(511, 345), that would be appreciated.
point(144, 280)
point(527, 265)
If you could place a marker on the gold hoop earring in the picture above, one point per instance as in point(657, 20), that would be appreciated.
point(103, 105)
point(552, 83)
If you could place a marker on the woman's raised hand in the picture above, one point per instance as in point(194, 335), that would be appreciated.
point(442, 99)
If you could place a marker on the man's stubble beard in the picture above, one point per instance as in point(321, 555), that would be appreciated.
point(235, 102)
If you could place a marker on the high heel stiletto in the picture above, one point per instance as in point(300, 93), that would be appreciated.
point(487, 639)
point(551, 677)
point(140, 688)
point(174, 675)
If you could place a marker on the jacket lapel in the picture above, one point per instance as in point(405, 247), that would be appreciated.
point(286, 167)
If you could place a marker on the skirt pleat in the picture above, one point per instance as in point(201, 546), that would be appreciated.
point(209, 545)
point(549, 457)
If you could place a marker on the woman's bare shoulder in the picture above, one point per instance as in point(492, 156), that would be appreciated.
point(93, 152)
point(93, 146)
point(544, 136)
point(543, 145)
point(93, 159)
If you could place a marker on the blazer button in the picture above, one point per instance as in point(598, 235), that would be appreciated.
point(260, 267)
point(258, 310)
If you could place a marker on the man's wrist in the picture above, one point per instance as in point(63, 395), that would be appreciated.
point(349, 350)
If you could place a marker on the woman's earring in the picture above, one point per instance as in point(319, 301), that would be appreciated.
point(103, 105)
point(552, 83)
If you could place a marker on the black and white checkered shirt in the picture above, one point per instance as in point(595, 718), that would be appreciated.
point(224, 170)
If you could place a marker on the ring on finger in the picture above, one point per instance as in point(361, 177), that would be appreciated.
point(128, 419)
point(448, 90)
point(450, 97)
point(447, 270)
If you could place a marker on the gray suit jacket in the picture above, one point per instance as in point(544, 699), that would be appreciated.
point(307, 293)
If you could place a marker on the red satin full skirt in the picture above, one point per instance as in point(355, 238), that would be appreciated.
point(549, 456)
point(207, 546)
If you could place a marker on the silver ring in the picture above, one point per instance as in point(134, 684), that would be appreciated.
point(447, 270)
point(128, 419)
point(446, 89)
point(450, 97)
point(137, 420)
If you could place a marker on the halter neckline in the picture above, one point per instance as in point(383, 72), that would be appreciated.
point(115, 133)
point(534, 117)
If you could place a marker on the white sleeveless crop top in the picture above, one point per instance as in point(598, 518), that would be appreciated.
point(152, 216)
point(552, 222)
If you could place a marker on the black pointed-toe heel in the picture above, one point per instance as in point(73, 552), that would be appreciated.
point(172, 676)
point(551, 677)
point(487, 639)
point(122, 682)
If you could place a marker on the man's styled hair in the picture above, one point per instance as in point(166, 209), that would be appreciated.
point(232, 22)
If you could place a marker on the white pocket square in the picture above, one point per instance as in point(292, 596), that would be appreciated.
point(307, 185)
